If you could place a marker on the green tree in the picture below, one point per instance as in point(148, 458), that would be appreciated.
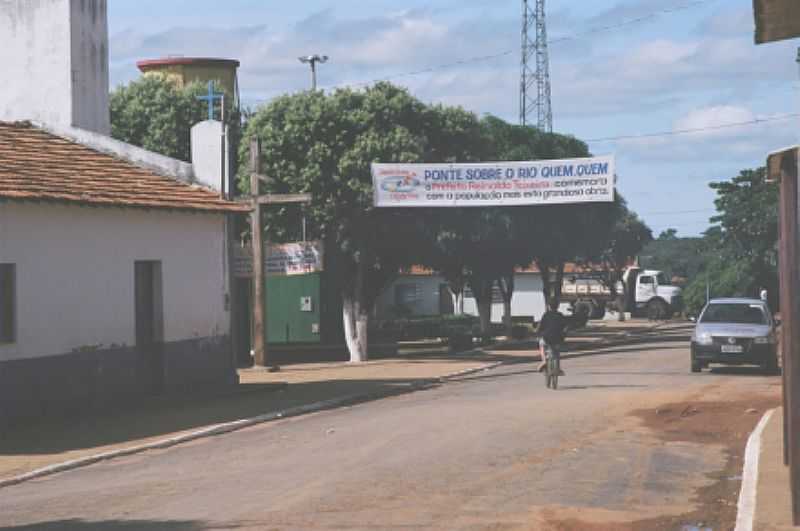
point(742, 243)
point(668, 235)
point(152, 112)
point(323, 144)
point(627, 238)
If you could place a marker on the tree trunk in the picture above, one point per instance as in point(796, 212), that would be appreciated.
point(482, 290)
point(349, 318)
point(559, 282)
point(355, 311)
point(506, 284)
point(457, 291)
point(544, 271)
point(485, 314)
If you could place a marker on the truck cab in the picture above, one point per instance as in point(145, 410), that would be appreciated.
point(650, 292)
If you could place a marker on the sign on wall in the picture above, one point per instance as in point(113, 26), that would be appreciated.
point(294, 258)
point(281, 259)
point(544, 182)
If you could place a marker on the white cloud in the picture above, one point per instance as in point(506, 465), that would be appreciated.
point(714, 117)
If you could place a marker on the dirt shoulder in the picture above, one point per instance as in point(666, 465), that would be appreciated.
point(710, 420)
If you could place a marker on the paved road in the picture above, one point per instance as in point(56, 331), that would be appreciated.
point(492, 451)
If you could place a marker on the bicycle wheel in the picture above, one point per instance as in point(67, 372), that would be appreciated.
point(547, 375)
point(554, 369)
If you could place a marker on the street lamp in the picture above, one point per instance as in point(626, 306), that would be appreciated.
point(313, 60)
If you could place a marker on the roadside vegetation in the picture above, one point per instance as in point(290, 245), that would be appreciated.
point(738, 255)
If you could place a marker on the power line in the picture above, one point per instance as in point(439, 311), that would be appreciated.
point(428, 70)
point(482, 58)
point(696, 130)
point(637, 20)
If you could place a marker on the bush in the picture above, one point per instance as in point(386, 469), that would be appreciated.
point(520, 332)
point(460, 341)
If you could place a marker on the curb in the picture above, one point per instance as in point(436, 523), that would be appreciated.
point(236, 425)
point(746, 508)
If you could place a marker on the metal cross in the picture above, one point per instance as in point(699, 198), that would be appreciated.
point(211, 97)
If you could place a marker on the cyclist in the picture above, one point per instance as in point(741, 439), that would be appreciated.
point(552, 331)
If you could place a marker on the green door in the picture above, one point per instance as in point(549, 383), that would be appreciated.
point(293, 309)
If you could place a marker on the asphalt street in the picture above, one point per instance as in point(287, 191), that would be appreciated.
point(495, 450)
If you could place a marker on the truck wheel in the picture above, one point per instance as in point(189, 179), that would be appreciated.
point(598, 310)
point(584, 308)
point(657, 310)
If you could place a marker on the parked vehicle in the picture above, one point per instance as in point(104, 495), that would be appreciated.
point(736, 332)
point(640, 292)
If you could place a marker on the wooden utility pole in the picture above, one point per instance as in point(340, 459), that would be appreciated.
point(259, 275)
point(259, 281)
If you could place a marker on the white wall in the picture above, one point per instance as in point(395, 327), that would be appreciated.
point(54, 56)
point(426, 304)
point(528, 299)
point(75, 274)
point(207, 153)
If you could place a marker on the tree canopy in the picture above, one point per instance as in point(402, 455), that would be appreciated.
point(154, 113)
point(324, 144)
point(741, 246)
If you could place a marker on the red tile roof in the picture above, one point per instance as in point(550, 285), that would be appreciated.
point(570, 268)
point(40, 166)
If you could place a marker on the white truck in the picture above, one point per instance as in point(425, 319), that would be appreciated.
point(640, 292)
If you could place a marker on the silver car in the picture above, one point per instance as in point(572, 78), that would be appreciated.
point(735, 332)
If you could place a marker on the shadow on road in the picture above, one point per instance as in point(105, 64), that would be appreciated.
point(742, 371)
point(148, 420)
point(138, 424)
point(601, 386)
point(114, 525)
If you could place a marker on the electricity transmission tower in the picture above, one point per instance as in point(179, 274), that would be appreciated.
point(534, 99)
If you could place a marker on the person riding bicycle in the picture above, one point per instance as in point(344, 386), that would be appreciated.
point(552, 331)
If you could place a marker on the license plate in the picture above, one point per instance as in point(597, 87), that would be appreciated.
point(732, 349)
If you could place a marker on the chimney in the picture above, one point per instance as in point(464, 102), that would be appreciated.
point(55, 63)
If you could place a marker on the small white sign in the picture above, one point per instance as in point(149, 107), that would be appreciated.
point(294, 258)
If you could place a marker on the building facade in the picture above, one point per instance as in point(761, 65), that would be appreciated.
point(115, 279)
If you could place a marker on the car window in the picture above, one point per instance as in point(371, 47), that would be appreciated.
point(662, 280)
point(646, 280)
point(739, 313)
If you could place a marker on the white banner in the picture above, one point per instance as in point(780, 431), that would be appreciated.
point(542, 182)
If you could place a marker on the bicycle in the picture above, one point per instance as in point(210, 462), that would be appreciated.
point(551, 372)
point(552, 368)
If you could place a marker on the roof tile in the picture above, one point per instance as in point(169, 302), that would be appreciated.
point(37, 165)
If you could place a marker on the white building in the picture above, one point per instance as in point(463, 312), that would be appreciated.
point(114, 264)
point(426, 293)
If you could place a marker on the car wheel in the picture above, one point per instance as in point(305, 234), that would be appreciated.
point(770, 366)
point(696, 365)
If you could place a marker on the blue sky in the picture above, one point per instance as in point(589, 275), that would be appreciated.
point(693, 67)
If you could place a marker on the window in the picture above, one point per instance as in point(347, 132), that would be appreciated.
point(734, 313)
point(646, 280)
point(7, 303)
point(662, 280)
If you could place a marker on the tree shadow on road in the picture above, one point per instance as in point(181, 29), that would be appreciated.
point(115, 525)
point(602, 386)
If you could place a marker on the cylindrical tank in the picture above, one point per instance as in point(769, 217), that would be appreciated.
point(185, 70)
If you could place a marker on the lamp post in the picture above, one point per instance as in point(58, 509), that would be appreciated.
point(313, 60)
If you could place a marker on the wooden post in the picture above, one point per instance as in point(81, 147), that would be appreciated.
point(259, 276)
point(259, 281)
point(790, 315)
